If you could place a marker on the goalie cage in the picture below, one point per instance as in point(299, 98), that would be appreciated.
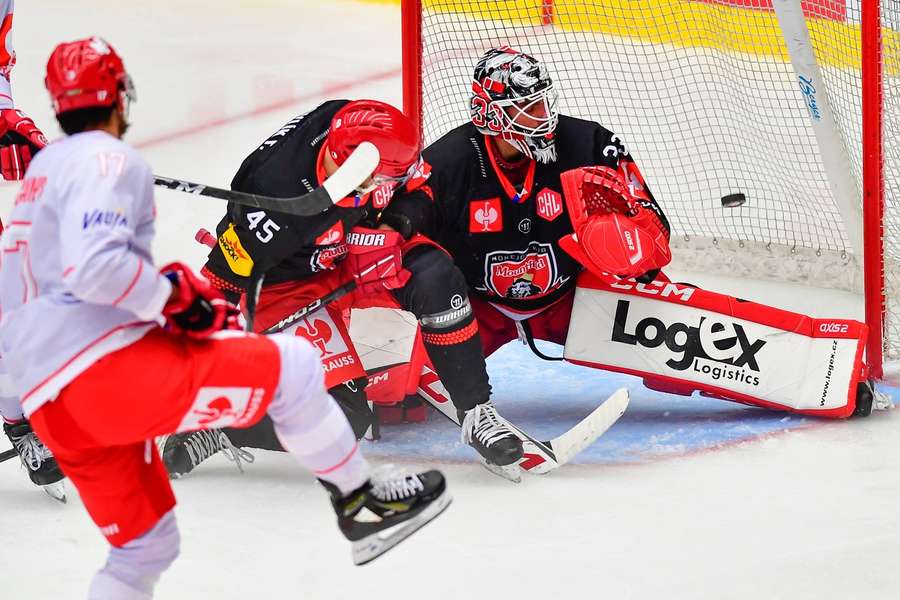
point(766, 100)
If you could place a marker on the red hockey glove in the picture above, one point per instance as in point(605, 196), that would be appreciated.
point(20, 140)
point(614, 233)
point(196, 308)
point(374, 259)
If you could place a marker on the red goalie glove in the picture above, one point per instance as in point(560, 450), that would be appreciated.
point(20, 140)
point(374, 259)
point(614, 233)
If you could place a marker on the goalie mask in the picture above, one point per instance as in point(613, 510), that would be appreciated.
point(513, 97)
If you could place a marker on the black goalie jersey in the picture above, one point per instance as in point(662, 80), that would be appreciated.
point(285, 247)
point(504, 235)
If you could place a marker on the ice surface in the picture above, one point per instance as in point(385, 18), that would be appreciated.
point(683, 498)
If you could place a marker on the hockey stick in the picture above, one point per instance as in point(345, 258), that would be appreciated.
point(358, 167)
point(207, 239)
point(539, 457)
point(8, 454)
point(312, 306)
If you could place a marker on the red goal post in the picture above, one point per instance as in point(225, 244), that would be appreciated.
point(784, 101)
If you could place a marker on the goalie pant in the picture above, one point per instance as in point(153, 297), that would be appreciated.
point(682, 339)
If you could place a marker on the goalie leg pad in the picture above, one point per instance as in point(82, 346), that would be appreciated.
point(679, 336)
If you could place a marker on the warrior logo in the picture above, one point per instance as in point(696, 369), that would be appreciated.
point(325, 257)
point(521, 273)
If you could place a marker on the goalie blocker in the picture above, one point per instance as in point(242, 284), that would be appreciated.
point(682, 339)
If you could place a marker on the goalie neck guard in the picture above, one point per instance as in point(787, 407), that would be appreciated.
point(513, 97)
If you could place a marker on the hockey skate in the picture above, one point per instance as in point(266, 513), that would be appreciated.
point(388, 509)
point(182, 452)
point(500, 448)
point(37, 458)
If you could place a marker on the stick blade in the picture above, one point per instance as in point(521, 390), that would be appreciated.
point(358, 167)
point(568, 445)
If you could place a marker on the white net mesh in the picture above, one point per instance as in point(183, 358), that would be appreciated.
point(707, 100)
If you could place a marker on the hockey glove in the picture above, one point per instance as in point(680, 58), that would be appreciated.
point(196, 308)
point(20, 140)
point(374, 259)
point(614, 233)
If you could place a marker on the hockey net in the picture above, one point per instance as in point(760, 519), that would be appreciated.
point(713, 98)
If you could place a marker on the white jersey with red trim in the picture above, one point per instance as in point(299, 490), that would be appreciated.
point(77, 279)
point(7, 53)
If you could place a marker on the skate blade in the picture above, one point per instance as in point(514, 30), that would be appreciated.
point(371, 547)
point(509, 472)
point(57, 491)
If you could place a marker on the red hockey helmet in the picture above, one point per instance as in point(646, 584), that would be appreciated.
point(381, 124)
point(87, 74)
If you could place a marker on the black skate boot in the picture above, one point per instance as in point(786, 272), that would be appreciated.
point(491, 436)
point(389, 508)
point(37, 458)
point(182, 452)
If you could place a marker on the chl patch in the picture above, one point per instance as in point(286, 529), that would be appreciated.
point(485, 216)
point(549, 204)
point(238, 259)
point(221, 407)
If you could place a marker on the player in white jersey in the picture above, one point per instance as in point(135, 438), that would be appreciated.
point(19, 140)
point(107, 352)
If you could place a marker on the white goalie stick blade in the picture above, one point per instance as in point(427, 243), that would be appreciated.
point(371, 547)
point(358, 167)
point(539, 457)
point(543, 457)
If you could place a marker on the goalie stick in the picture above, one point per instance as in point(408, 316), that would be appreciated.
point(539, 457)
point(8, 454)
point(207, 239)
point(358, 167)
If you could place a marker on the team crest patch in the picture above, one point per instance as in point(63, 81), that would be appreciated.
point(485, 216)
point(521, 273)
point(549, 204)
point(237, 258)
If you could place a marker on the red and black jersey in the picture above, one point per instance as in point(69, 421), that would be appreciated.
point(504, 234)
point(285, 247)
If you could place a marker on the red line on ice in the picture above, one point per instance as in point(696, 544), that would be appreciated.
point(323, 92)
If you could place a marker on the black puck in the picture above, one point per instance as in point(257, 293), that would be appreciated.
point(733, 200)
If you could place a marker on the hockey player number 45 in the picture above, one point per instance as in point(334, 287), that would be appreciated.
point(266, 232)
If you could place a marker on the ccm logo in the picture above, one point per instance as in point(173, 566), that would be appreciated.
point(656, 288)
point(833, 328)
point(629, 240)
